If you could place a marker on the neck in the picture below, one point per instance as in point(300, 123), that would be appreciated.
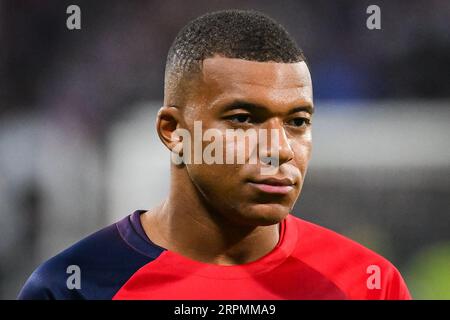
point(186, 224)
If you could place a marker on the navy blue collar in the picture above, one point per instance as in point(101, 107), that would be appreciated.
point(132, 232)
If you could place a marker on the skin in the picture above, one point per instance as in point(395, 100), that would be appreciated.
point(215, 213)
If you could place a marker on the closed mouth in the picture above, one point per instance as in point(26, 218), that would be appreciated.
point(273, 185)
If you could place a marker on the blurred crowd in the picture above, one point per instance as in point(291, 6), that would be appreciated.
point(84, 77)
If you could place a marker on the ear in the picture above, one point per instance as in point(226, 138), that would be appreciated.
point(166, 123)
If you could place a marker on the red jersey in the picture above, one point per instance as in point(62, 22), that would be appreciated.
point(309, 262)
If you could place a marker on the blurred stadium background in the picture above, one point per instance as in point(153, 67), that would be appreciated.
point(78, 149)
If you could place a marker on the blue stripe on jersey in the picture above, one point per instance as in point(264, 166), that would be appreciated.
point(107, 259)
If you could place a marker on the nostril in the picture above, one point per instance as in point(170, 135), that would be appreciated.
point(269, 160)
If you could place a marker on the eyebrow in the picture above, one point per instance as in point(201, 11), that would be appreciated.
point(241, 104)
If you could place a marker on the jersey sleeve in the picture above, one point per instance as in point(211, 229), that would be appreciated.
point(396, 287)
point(102, 263)
point(48, 282)
point(35, 289)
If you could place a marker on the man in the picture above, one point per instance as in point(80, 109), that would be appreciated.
point(225, 231)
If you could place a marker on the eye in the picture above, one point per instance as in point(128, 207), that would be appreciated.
point(299, 122)
point(240, 118)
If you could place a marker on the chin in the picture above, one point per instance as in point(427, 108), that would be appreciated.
point(264, 214)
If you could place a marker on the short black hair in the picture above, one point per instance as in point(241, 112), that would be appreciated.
point(242, 34)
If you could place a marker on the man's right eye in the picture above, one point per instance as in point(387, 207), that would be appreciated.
point(240, 118)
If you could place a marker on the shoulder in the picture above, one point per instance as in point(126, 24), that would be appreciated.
point(327, 243)
point(93, 268)
point(357, 270)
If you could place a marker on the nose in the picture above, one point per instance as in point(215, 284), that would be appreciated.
point(280, 150)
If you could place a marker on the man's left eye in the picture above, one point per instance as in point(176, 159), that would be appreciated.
point(299, 122)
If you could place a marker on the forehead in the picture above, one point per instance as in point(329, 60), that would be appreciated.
point(268, 82)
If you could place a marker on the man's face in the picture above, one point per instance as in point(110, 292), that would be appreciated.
point(240, 94)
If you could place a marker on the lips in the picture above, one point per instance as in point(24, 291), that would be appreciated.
point(273, 185)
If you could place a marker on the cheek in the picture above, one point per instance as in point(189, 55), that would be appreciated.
point(214, 178)
point(302, 154)
point(219, 184)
